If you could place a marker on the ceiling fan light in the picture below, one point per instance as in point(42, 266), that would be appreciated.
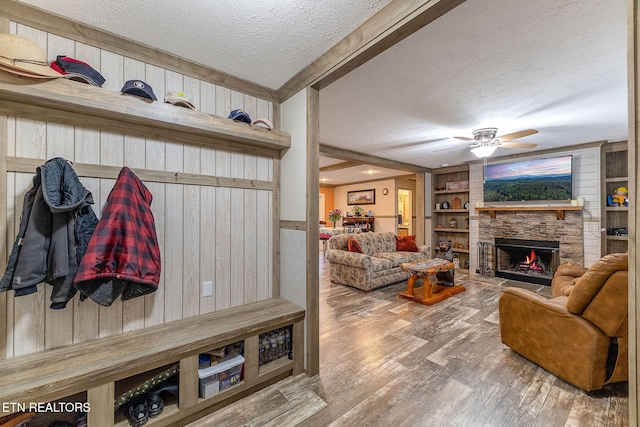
point(484, 150)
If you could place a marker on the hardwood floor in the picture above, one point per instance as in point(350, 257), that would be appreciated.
point(386, 361)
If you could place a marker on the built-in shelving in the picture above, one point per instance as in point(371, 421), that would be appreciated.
point(103, 366)
point(68, 102)
point(441, 218)
point(615, 219)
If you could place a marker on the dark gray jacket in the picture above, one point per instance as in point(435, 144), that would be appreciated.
point(55, 227)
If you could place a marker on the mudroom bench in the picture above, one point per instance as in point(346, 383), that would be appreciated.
point(96, 369)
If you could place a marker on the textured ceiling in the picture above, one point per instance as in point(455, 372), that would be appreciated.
point(558, 67)
point(555, 66)
point(266, 41)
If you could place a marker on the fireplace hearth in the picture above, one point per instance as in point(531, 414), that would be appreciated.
point(532, 261)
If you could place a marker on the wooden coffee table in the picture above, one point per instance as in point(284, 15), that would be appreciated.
point(431, 292)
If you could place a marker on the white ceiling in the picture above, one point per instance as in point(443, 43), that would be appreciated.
point(555, 66)
point(265, 42)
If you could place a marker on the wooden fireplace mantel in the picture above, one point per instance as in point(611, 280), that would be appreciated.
point(559, 210)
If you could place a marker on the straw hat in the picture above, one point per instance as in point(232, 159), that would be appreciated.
point(23, 57)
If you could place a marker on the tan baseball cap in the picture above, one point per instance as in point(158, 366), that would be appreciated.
point(23, 57)
point(179, 98)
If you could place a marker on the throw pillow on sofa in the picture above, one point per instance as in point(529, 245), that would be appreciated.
point(353, 245)
point(406, 243)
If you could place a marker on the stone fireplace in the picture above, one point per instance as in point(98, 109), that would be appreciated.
point(534, 225)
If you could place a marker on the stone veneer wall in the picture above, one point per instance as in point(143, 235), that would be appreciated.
point(537, 225)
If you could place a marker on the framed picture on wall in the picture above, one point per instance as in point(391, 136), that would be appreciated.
point(361, 197)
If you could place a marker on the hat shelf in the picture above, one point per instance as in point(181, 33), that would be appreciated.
point(74, 103)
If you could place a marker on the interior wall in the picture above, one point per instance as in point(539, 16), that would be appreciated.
point(206, 232)
point(293, 236)
point(329, 201)
point(384, 208)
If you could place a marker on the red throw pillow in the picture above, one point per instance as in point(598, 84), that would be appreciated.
point(353, 245)
point(406, 243)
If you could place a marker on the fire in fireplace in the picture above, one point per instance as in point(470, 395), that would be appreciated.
point(533, 261)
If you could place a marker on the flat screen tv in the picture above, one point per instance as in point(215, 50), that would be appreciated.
point(529, 180)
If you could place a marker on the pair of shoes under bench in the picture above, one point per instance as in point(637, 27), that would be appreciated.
point(144, 407)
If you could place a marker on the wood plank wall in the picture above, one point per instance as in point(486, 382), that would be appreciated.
point(206, 232)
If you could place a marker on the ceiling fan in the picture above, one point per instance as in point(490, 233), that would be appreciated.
point(485, 141)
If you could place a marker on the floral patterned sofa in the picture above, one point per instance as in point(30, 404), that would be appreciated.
point(378, 265)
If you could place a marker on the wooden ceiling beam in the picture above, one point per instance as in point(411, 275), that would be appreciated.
point(397, 20)
point(360, 158)
point(340, 166)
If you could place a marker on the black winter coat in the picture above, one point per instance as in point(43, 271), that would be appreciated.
point(56, 225)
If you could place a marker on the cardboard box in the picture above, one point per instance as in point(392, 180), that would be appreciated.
point(225, 374)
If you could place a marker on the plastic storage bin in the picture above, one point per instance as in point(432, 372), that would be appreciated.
point(227, 373)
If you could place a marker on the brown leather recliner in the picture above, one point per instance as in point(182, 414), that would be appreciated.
point(580, 334)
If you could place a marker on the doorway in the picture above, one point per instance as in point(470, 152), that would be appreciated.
point(405, 212)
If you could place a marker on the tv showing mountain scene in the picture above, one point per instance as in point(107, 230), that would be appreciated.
point(528, 180)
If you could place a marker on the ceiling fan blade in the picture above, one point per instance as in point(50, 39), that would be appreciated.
point(516, 135)
point(517, 145)
point(463, 138)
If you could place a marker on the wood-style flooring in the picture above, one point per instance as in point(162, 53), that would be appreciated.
point(386, 361)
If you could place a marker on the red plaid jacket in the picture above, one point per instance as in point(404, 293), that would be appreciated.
point(123, 256)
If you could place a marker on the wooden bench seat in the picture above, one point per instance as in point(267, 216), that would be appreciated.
point(53, 374)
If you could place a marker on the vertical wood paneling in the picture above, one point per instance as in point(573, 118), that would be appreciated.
point(4, 230)
point(237, 240)
point(223, 235)
point(192, 89)
point(208, 98)
point(155, 76)
point(208, 245)
point(154, 303)
point(59, 137)
point(250, 233)
point(223, 102)
point(205, 232)
point(250, 255)
point(173, 252)
point(191, 236)
point(208, 209)
point(12, 218)
point(237, 101)
point(4, 28)
point(87, 141)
